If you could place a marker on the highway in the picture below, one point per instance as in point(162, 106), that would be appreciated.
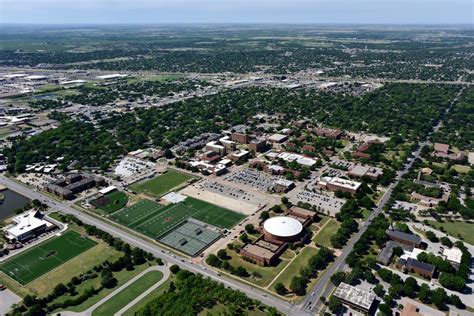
point(324, 288)
point(153, 248)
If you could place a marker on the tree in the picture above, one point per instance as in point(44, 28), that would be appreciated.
point(297, 285)
point(285, 201)
point(249, 228)
point(174, 269)
point(59, 290)
point(411, 287)
point(108, 281)
point(398, 251)
point(264, 215)
point(222, 254)
point(385, 310)
point(335, 305)
point(213, 260)
point(445, 241)
point(280, 288)
point(244, 238)
point(379, 290)
point(431, 236)
point(338, 277)
point(452, 282)
point(425, 294)
point(439, 298)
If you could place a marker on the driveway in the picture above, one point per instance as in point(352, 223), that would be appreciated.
point(7, 299)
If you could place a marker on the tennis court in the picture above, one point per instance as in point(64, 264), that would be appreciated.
point(191, 238)
point(34, 262)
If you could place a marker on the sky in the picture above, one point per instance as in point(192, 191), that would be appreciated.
point(237, 11)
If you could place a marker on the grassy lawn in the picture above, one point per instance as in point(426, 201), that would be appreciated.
point(323, 237)
point(294, 267)
point(38, 260)
point(268, 273)
point(366, 214)
point(461, 168)
point(111, 202)
point(150, 297)
point(161, 184)
point(121, 276)
point(460, 230)
point(121, 299)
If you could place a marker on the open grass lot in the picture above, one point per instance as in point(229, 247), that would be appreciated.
point(295, 266)
point(457, 230)
point(323, 237)
point(267, 273)
point(150, 297)
point(31, 264)
point(153, 219)
point(122, 298)
point(161, 184)
point(111, 202)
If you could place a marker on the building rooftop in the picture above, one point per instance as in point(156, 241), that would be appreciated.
point(343, 183)
point(404, 236)
point(454, 254)
point(354, 295)
point(24, 223)
point(283, 226)
point(277, 137)
point(259, 251)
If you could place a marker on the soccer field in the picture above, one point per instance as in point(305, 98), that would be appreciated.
point(153, 219)
point(161, 184)
point(34, 262)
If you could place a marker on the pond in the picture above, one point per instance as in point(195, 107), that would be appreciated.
point(12, 201)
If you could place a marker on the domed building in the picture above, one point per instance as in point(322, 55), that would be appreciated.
point(281, 229)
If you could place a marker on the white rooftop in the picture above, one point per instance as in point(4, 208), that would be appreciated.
point(107, 189)
point(24, 223)
point(174, 198)
point(454, 254)
point(283, 226)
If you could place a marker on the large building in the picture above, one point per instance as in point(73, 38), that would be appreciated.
point(282, 229)
point(453, 255)
point(339, 184)
point(356, 298)
point(413, 265)
point(26, 226)
point(258, 145)
point(74, 183)
point(240, 138)
point(404, 238)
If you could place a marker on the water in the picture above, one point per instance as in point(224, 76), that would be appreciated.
point(45, 96)
point(12, 202)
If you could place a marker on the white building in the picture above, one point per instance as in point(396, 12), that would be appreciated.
point(27, 225)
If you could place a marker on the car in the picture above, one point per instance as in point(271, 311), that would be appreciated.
point(2, 287)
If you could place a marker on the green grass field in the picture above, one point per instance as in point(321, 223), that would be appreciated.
point(153, 219)
point(323, 237)
point(161, 184)
point(111, 202)
point(457, 230)
point(121, 299)
point(34, 262)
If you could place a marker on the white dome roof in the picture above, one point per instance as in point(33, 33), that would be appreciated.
point(282, 226)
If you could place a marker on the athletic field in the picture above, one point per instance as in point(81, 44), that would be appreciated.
point(36, 261)
point(111, 202)
point(153, 219)
point(161, 184)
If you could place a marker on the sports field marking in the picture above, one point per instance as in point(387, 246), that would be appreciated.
point(42, 258)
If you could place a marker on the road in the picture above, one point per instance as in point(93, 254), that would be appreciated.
point(156, 250)
point(323, 288)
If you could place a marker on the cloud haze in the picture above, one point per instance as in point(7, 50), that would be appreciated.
point(238, 11)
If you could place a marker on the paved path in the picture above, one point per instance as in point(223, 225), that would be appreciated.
point(166, 275)
point(7, 299)
point(88, 312)
point(144, 243)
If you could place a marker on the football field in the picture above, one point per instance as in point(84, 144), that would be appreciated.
point(40, 259)
point(153, 219)
point(162, 184)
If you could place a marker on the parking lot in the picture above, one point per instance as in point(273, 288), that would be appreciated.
point(228, 191)
point(324, 201)
point(252, 178)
